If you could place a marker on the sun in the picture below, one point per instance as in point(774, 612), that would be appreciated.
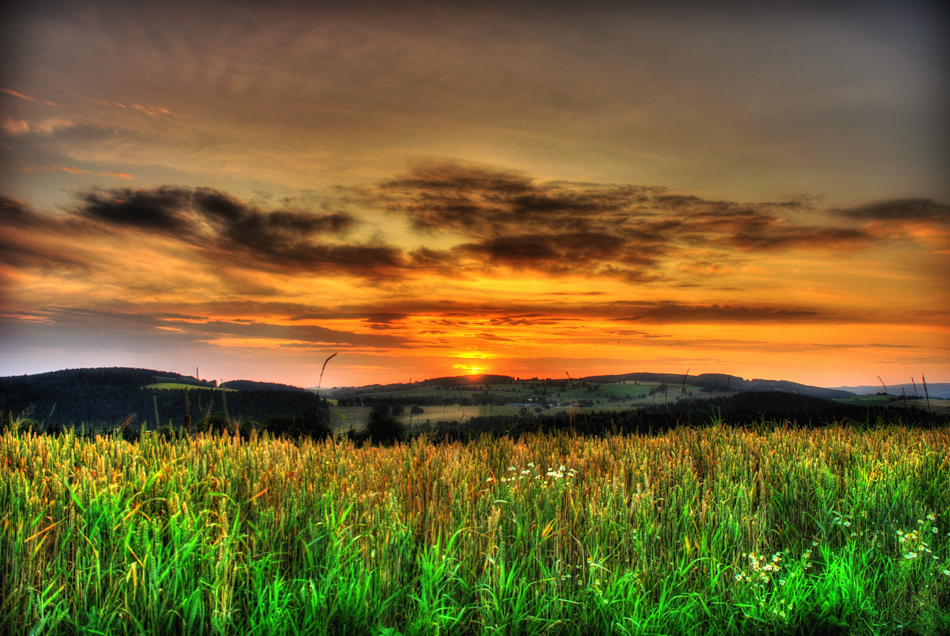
point(469, 369)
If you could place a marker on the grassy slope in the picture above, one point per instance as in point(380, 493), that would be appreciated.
point(176, 385)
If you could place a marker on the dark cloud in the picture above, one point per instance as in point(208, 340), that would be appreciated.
point(493, 337)
point(371, 261)
point(675, 312)
point(184, 210)
point(14, 212)
point(433, 260)
point(525, 320)
point(580, 253)
point(223, 229)
point(455, 314)
point(384, 321)
point(622, 231)
point(505, 221)
point(568, 249)
point(23, 256)
point(487, 203)
point(385, 318)
point(442, 313)
point(305, 334)
point(901, 210)
point(16, 215)
point(774, 238)
point(162, 209)
point(229, 231)
point(484, 203)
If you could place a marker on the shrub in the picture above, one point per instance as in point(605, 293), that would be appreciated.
point(308, 424)
point(215, 423)
point(382, 427)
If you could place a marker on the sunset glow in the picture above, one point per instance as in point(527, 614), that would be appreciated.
point(446, 190)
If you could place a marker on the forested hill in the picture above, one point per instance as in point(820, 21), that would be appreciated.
point(109, 396)
point(713, 381)
point(99, 377)
point(723, 381)
point(466, 380)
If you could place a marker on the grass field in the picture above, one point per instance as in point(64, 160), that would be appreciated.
point(718, 531)
point(548, 392)
point(342, 417)
point(550, 398)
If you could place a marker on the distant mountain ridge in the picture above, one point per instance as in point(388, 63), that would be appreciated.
point(935, 390)
point(131, 376)
point(713, 380)
point(723, 380)
point(106, 376)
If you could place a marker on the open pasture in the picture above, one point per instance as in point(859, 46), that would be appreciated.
point(718, 531)
point(567, 390)
point(343, 417)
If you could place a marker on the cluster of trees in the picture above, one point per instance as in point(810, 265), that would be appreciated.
point(745, 409)
point(109, 406)
point(99, 400)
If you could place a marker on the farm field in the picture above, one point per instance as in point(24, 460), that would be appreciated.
point(717, 530)
point(521, 397)
point(342, 417)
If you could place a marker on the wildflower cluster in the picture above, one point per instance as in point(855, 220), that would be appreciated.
point(780, 609)
point(912, 543)
point(761, 572)
point(846, 525)
point(761, 569)
point(806, 557)
point(532, 473)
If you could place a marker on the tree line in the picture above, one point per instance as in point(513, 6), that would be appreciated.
point(106, 399)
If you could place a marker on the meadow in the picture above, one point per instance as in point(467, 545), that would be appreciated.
point(718, 530)
point(530, 397)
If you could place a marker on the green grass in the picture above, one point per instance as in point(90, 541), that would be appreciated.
point(718, 531)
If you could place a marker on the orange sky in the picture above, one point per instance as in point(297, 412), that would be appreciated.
point(445, 189)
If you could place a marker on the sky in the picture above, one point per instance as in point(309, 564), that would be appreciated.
point(436, 189)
